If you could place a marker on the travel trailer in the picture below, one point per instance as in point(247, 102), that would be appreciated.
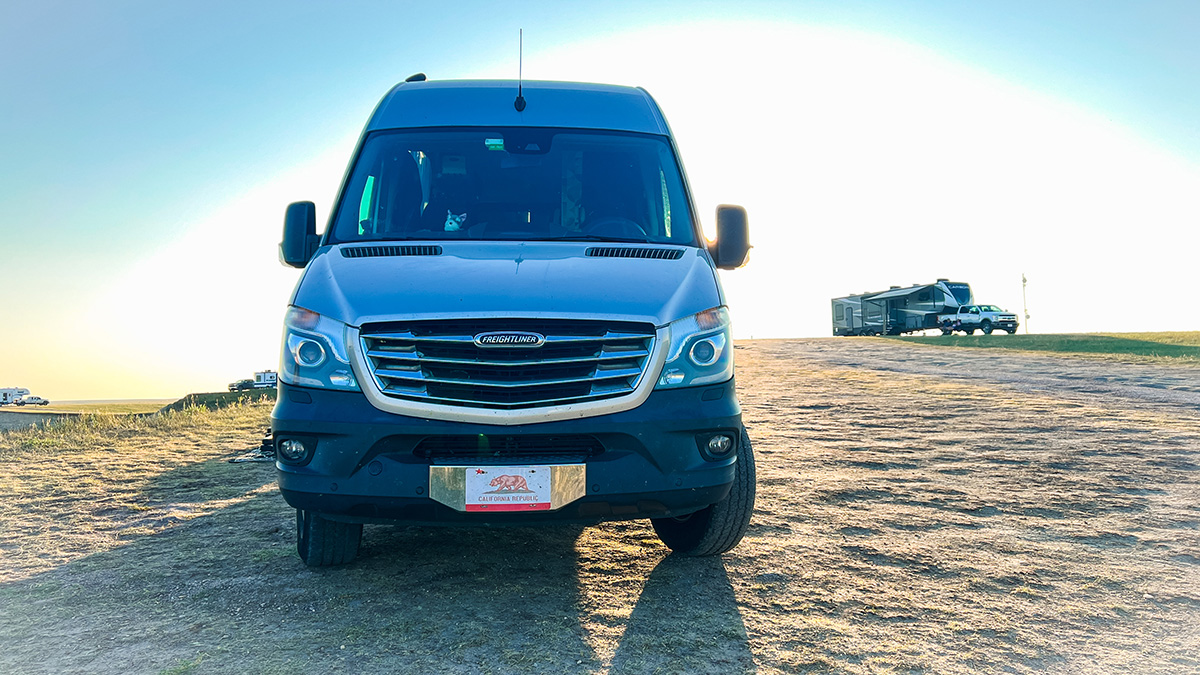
point(263, 379)
point(512, 317)
point(899, 310)
point(9, 395)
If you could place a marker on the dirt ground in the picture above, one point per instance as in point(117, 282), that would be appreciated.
point(920, 510)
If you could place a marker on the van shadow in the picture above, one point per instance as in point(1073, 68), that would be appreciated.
point(223, 587)
point(496, 599)
point(686, 620)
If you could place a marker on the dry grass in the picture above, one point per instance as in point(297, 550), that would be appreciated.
point(933, 525)
point(906, 523)
point(111, 407)
point(93, 482)
point(1184, 338)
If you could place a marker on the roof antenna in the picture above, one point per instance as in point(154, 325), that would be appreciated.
point(519, 104)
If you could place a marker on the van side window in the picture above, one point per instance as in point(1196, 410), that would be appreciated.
point(839, 312)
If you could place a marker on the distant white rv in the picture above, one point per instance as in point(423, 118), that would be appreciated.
point(265, 379)
point(10, 395)
point(899, 310)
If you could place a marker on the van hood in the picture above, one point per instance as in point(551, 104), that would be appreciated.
point(505, 279)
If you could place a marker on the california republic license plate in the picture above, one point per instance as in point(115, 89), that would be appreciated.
point(508, 488)
point(495, 488)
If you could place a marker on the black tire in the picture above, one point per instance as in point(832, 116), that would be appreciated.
point(321, 542)
point(986, 327)
point(718, 527)
point(20, 402)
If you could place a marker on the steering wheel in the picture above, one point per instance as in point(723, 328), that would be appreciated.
point(614, 226)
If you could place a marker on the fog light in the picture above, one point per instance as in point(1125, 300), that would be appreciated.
point(309, 353)
point(291, 450)
point(720, 445)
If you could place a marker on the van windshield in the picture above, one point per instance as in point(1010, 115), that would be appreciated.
point(514, 184)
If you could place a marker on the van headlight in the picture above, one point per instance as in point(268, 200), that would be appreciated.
point(314, 351)
point(701, 350)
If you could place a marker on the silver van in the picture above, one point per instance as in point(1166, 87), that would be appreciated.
point(512, 317)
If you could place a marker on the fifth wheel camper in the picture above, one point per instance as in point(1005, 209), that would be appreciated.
point(899, 310)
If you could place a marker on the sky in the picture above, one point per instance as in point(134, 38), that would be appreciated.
point(148, 149)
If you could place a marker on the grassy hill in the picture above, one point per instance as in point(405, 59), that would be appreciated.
point(1163, 347)
point(224, 399)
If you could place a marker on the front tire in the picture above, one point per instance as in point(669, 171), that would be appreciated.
point(321, 542)
point(987, 327)
point(718, 527)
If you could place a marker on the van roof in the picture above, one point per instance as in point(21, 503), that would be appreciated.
point(488, 103)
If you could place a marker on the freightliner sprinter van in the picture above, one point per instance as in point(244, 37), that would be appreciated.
point(511, 317)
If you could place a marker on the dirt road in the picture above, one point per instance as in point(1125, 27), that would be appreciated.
point(921, 510)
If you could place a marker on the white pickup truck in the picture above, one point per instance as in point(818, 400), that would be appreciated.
point(970, 318)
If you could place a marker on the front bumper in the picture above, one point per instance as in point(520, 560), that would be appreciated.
point(373, 466)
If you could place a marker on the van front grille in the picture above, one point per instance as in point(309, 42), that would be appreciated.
point(442, 361)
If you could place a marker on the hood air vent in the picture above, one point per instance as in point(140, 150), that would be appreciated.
point(631, 252)
point(388, 251)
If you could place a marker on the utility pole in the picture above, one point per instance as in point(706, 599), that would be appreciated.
point(1024, 304)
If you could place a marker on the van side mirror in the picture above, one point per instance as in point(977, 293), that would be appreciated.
point(300, 239)
point(733, 237)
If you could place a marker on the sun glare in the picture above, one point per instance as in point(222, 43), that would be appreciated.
point(866, 162)
point(863, 161)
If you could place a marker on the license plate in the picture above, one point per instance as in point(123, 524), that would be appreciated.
point(484, 489)
point(508, 488)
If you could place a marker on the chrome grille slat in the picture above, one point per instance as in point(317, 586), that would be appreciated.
point(439, 362)
point(413, 357)
point(426, 398)
point(470, 339)
point(418, 376)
